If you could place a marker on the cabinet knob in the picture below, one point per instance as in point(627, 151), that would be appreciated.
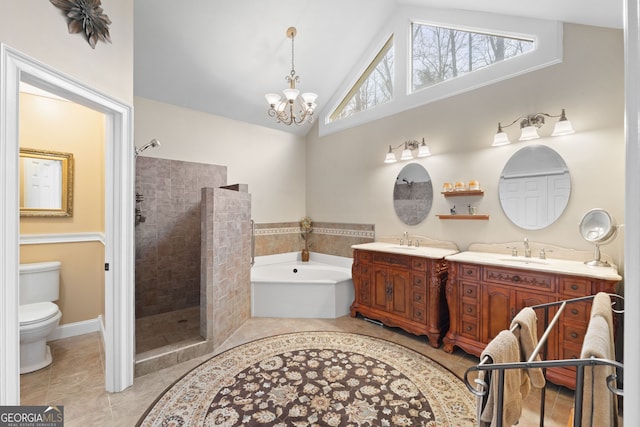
point(469, 291)
point(418, 314)
point(469, 328)
point(574, 287)
point(515, 278)
point(574, 335)
point(469, 310)
point(418, 297)
point(574, 311)
point(469, 272)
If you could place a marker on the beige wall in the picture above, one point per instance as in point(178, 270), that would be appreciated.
point(57, 125)
point(81, 277)
point(39, 29)
point(356, 186)
point(270, 162)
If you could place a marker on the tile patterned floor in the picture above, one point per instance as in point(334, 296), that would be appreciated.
point(76, 377)
point(153, 333)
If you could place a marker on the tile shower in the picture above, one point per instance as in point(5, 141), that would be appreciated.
point(168, 247)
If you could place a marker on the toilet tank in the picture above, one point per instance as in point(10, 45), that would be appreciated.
point(39, 282)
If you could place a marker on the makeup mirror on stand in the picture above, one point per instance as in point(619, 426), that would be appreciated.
point(597, 227)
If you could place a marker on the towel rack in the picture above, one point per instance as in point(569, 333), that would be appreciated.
point(480, 388)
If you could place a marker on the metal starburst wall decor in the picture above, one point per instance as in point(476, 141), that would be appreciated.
point(86, 17)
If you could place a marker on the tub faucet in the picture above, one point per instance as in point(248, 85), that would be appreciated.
point(527, 249)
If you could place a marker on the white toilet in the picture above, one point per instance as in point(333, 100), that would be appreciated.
point(39, 316)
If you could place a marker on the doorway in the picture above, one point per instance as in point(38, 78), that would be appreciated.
point(119, 206)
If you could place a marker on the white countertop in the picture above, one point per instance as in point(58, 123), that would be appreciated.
point(394, 248)
point(550, 265)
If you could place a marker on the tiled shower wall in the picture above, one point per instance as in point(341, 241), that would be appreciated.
point(168, 241)
point(327, 237)
point(226, 280)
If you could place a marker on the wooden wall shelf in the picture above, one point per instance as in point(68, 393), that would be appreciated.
point(463, 193)
point(458, 216)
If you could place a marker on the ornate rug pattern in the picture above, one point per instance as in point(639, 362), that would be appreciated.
point(316, 379)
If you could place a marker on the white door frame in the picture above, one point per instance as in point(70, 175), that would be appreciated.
point(119, 207)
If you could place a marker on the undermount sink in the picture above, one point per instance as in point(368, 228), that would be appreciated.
point(521, 260)
point(411, 248)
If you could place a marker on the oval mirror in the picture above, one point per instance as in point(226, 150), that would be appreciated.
point(412, 194)
point(534, 187)
point(597, 227)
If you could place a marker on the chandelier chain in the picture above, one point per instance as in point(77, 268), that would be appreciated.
point(293, 68)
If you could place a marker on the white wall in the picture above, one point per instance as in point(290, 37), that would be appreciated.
point(39, 29)
point(348, 181)
point(271, 162)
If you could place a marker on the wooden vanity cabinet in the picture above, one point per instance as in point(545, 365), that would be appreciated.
point(401, 291)
point(483, 300)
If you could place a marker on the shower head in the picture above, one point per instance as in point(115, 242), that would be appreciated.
point(151, 144)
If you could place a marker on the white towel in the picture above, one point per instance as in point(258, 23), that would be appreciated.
point(527, 334)
point(504, 349)
point(599, 406)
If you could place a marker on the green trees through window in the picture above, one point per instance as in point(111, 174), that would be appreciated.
point(440, 53)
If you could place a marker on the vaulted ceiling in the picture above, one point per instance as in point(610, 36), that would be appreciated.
point(221, 57)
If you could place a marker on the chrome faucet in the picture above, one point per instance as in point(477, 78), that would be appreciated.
point(405, 239)
point(527, 249)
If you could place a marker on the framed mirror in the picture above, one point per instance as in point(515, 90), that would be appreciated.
point(413, 194)
point(534, 187)
point(46, 183)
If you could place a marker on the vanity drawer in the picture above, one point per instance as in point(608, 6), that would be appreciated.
point(469, 290)
point(469, 271)
point(569, 352)
point(575, 286)
point(577, 312)
point(469, 328)
point(419, 314)
point(469, 309)
point(572, 336)
point(519, 278)
point(362, 256)
point(419, 298)
point(420, 264)
point(392, 259)
point(419, 281)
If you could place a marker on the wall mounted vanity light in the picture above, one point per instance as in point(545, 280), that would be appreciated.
point(529, 127)
point(407, 152)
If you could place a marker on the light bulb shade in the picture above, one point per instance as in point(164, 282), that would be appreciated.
point(406, 154)
point(272, 98)
point(391, 158)
point(309, 98)
point(529, 133)
point(563, 127)
point(291, 94)
point(499, 139)
point(423, 150)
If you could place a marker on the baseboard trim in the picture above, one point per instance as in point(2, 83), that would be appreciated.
point(78, 328)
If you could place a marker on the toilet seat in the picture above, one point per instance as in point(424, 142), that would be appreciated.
point(37, 312)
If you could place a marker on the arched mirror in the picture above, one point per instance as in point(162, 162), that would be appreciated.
point(413, 194)
point(534, 187)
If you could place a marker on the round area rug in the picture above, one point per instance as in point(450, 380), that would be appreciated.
point(316, 379)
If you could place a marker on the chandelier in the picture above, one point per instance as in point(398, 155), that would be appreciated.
point(293, 107)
